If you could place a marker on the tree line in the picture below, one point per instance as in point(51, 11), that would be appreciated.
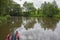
point(10, 8)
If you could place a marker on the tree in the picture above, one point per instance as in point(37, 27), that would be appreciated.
point(44, 8)
point(55, 4)
point(29, 8)
point(16, 10)
point(55, 7)
point(9, 7)
point(3, 4)
point(49, 9)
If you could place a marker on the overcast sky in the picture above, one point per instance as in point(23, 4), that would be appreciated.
point(37, 3)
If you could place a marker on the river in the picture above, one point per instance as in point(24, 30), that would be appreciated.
point(32, 28)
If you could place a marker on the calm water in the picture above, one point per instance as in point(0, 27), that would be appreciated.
point(32, 28)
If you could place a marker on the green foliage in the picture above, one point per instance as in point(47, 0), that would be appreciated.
point(10, 8)
point(49, 9)
point(16, 10)
point(3, 5)
point(28, 6)
point(3, 13)
point(4, 18)
point(29, 9)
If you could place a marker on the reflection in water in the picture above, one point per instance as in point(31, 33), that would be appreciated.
point(9, 26)
point(48, 23)
point(35, 26)
point(36, 32)
point(30, 23)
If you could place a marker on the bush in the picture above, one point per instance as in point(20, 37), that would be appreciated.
point(4, 18)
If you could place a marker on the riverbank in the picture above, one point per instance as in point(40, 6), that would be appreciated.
point(4, 18)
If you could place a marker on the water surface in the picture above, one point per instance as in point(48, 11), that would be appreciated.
point(32, 28)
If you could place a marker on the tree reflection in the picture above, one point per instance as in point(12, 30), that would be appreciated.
point(9, 26)
point(48, 23)
point(30, 23)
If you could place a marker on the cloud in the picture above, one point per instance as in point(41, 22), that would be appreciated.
point(58, 3)
point(37, 3)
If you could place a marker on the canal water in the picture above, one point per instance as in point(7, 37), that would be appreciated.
point(32, 28)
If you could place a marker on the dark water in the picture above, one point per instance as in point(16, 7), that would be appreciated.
point(32, 28)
